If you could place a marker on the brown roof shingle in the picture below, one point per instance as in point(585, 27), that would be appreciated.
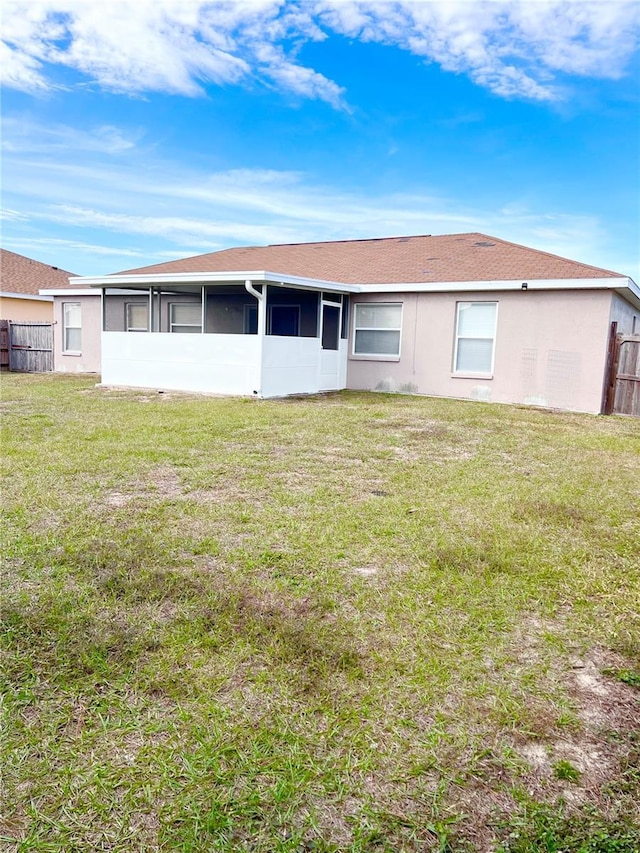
point(24, 275)
point(392, 260)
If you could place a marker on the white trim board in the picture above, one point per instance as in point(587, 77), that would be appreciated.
point(67, 291)
point(229, 276)
point(626, 287)
point(5, 294)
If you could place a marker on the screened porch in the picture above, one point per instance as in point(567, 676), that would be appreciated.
point(258, 339)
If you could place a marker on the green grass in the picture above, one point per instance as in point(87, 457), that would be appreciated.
point(357, 622)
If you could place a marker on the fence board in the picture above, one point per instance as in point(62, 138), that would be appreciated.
point(627, 383)
point(31, 347)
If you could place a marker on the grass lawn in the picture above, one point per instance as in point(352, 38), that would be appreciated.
point(357, 622)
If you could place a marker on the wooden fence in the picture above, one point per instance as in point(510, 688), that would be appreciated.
point(4, 344)
point(29, 346)
point(623, 387)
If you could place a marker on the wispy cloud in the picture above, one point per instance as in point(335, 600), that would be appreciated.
point(10, 215)
point(24, 135)
point(515, 48)
point(113, 202)
point(32, 245)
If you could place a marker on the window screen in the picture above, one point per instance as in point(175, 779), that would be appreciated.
point(377, 328)
point(72, 326)
point(475, 337)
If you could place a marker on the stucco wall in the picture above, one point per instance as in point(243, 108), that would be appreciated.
point(88, 361)
point(550, 349)
point(26, 309)
point(625, 315)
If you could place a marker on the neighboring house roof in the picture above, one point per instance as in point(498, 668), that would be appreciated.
point(391, 260)
point(24, 277)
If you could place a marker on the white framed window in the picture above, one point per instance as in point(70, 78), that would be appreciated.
point(376, 329)
point(137, 317)
point(72, 327)
point(185, 317)
point(475, 337)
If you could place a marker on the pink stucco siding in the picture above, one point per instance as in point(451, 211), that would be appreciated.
point(550, 348)
point(87, 360)
point(625, 315)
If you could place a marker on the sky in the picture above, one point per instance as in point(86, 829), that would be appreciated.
point(140, 132)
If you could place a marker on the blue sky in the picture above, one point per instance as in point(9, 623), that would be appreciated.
point(136, 133)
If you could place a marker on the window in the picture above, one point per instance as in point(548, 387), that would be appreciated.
point(72, 327)
point(475, 337)
point(137, 317)
point(250, 320)
point(185, 317)
point(377, 329)
point(284, 320)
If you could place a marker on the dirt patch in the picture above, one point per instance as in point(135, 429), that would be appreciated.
point(576, 763)
point(164, 483)
point(365, 571)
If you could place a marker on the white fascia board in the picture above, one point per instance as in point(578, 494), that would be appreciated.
point(186, 278)
point(6, 294)
point(67, 291)
point(513, 284)
point(630, 292)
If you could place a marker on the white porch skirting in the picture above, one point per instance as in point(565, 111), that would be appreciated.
point(222, 364)
point(217, 364)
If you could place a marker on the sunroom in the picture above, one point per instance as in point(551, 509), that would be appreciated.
point(252, 333)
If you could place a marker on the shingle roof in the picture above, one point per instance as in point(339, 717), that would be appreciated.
point(24, 275)
point(391, 260)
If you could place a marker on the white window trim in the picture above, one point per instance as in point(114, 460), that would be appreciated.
point(469, 374)
point(129, 328)
point(65, 326)
point(188, 325)
point(374, 356)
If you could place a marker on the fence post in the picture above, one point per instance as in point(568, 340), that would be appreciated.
point(609, 390)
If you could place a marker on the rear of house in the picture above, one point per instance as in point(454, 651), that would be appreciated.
point(462, 315)
point(77, 323)
point(535, 347)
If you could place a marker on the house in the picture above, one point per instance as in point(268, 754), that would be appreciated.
point(21, 280)
point(77, 319)
point(459, 315)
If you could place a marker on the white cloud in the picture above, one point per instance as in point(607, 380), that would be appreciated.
point(172, 46)
point(515, 48)
point(512, 48)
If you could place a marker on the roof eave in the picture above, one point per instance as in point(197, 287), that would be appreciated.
point(50, 292)
point(41, 297)
point(619, 284)
point(225, 276)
